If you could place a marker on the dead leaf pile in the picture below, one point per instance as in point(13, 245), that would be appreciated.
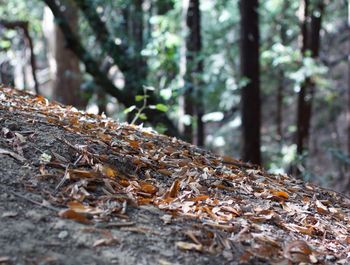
point(277, 217)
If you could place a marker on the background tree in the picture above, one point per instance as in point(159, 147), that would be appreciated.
point(250, 69)
point(310, 21)
point(65, 65)
point(192, 100)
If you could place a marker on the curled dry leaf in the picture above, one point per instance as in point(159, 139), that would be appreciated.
point(73, 215)
point(148, 188)
point(77, 173)
point(105, 242)
point(107, 170)
point(81, 208)
point(189, 246)
point(298, 251)
point(174, 189)
point(321, 208)
point(280, 194)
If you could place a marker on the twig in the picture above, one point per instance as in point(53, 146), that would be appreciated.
point(63, 179)
point(31, 200)
point(12, 154)
point(115, 225)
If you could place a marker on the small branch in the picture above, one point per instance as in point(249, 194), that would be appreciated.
point(28, 199)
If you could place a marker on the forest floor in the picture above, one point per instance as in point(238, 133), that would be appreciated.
point(81, 189)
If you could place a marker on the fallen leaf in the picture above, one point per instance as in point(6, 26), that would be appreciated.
point(298, 251)
point(281, 194)
point(105, 242)
point(321, 208)
point(73, 215)
point(148, 188)
point(9, 214)
point(189, 246)
point(4, 259)
point(81, 208)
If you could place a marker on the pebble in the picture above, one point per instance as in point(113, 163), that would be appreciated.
point(63, 234)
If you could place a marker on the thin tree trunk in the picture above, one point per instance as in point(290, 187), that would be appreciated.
point(303, 15)
point(348, 111)
point(250, 68)
point(347, 167)
point(311, 41)
point(281, 74)
point(279, 107)
point(194, 68)
point(7, 74)
point(30, 45)
point(23, 25)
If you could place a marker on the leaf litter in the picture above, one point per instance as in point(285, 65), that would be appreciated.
point(277, 218)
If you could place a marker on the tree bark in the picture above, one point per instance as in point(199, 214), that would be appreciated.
point(68, 78)
point(194, 44)
point(348, 57)
point(23, 25)
point(310, 35)
point(194, 68)
point(250, 68)
point(281, 75)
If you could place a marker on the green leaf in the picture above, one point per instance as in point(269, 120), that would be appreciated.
point(143, 116)
point(5, 44)
point(166, 93)
point(151, 88)
point(162, 107)
point(130, 109)
point(139, 98)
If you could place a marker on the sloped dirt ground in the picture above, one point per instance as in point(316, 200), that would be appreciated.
point(81, 189)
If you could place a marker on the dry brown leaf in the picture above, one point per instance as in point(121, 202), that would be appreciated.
point(174, 189)
point(281, 194)
point(148, 188)
point(321, 208)
point(81, 208)
point(298, 251)
point(200, 198)
point(73, 215)
point(189, 246)
point(165, 172)
point(105, 242)
point(107, 170)
point(77, 173)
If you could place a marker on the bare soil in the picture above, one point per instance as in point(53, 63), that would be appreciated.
point(35, 234)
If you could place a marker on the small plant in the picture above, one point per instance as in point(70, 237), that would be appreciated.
point(140, 110)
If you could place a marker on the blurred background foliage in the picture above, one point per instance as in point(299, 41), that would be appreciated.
point(152, 38)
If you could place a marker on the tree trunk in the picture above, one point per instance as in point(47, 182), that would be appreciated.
point(347, 180)
point(24, 25)
point(279, 107)
point(348, 111)
point(250, 68)
point(281, 75)
point(7, 74)
point(310, 35)
point(192, 100)
point(68, 77)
